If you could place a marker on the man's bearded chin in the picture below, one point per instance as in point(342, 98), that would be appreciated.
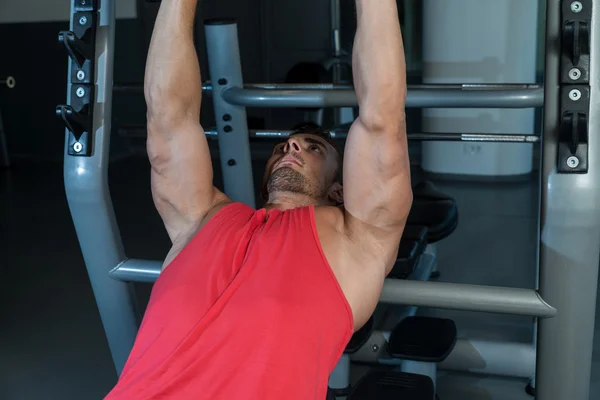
point(287, 179)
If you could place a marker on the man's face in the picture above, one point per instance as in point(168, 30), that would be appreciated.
point(303, 164)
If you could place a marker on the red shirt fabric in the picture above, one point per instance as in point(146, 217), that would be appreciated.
point(250, 309)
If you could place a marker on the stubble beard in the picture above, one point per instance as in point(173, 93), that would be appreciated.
point(288, 180)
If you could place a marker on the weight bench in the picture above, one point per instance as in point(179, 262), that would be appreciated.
point(422, 343)
point(436, 211)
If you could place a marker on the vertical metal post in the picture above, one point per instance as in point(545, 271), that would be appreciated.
point(570, 231)
point(232, 125)
point(86, 185)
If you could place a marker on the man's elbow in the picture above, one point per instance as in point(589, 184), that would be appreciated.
point(383, 120)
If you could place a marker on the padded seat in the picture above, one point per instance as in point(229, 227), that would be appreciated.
point(393, 385)
point(433, 209)
point(423, 339)
point(413, 244)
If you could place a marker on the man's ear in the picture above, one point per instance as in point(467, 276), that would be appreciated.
point(336, 193)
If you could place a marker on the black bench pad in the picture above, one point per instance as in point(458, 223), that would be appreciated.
point(423, 339)
point(393, 385)
point(433, 209)
point(412, 245)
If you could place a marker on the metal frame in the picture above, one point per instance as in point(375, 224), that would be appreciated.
point(437, 136)
point(86, 186)
point(439, 98)
point(569, 222)
point(232, 123)
point(569, 235)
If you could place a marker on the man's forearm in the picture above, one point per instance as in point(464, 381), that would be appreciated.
point(379, 65)
point(172, 84)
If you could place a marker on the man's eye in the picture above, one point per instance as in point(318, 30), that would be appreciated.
point(314, 147)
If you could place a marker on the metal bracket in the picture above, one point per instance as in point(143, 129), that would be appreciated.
point(80, 44)
point(573, 141)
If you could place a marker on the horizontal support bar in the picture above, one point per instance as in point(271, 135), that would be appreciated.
point(454, 296)
point(440, 136)
point(417, 98)
point(133, 270)
point(207, 86)
point(404, 292)
point(140, 132)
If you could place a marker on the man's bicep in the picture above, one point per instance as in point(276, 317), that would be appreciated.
point(377, 188)
point(182, 175)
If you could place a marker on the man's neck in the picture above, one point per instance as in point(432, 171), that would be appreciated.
point(287, 201)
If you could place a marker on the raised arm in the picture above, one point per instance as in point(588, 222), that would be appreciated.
point(182, 175)
point(377, 188)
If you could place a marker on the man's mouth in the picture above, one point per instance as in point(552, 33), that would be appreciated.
point(290, 160)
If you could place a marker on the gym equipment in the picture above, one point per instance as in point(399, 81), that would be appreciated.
point(569, 230)
point(10, 82)
point(339, 381)
point(513, 96)
point(393, 385)
point(412, 245)
point(433, 209)
point(421, 342)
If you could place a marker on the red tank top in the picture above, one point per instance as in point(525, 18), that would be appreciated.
point(250, 309)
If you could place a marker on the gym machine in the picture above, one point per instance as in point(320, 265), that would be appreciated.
point(569, 230)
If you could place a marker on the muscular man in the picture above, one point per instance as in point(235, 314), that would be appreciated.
point(260, 304)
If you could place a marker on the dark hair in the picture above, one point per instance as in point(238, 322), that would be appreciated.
point(310, 128)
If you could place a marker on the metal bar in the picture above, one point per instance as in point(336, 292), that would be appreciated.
point(430, 98)
point(134, 270)
point(234, 144)
point(207, 86)
point(455, 296)
point(408, 292)
point(429, 86)
point(86, 186)
point(570, 231)
point(439, 136)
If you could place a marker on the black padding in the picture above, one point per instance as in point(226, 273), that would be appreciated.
point(423, 339)
point(412, 245)
point(360, 337)
point(330, 395)
point(434, 209)
point(393, 385)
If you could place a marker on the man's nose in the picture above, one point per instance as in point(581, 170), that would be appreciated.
point(292, 145)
